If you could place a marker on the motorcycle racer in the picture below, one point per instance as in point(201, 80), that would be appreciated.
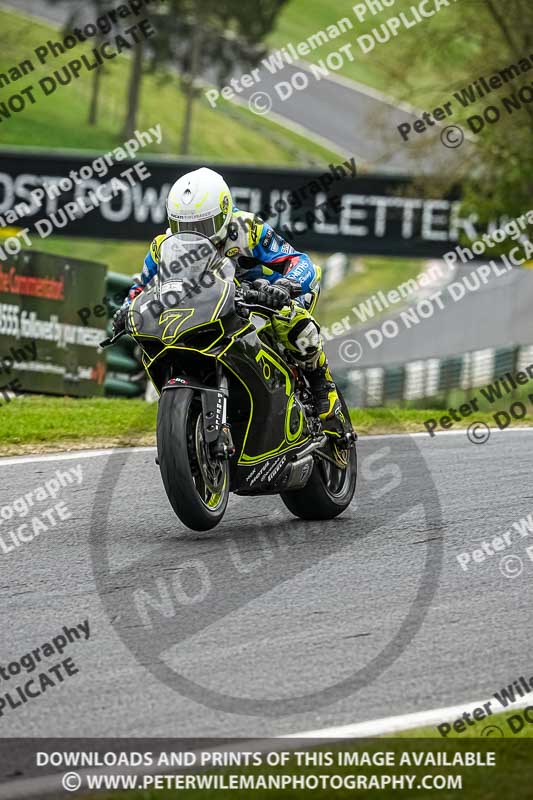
point(200, 202)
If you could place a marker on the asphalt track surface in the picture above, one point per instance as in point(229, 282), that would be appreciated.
point(267, 608)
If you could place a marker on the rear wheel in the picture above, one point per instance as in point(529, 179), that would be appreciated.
point(197, 485)
point(331, 487)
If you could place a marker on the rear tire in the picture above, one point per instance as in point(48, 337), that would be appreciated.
point(330, 490)
point(196, 486)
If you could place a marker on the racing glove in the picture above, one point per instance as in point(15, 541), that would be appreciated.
point(273, 295)
point(292, 286)
point(119, 319)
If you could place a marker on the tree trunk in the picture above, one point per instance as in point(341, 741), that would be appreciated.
point(134, 91)
point(95, 89)
point(190, 90)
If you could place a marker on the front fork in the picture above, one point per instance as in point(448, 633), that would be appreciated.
point(223, 446)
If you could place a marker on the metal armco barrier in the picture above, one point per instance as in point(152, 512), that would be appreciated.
point(432, 381)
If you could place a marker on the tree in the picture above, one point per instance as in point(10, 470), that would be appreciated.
point(210, 39)
point(189, 86)
point(455, 48)
point(95, 87)
point(134, 90)
point(77, 16)
point(503, 181)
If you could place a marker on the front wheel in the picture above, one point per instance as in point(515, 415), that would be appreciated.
point(197, 485)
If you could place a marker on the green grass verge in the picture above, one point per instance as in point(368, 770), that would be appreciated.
point(371, 421)
point(335, 303)
point(118, 256)
point(128, 257)
point(60, 120)
point(35, 423)
point(495, 726)
point(377, 273)
point(124, 257)
point(52, 423)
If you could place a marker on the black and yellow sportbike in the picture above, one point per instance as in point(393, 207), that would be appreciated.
point(234, 414)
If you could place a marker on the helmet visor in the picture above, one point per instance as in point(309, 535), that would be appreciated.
point(206, 227)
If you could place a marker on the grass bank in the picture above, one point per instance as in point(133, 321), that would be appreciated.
point(301, 19)
point(60, 120)
point(371, 273)
point(41, 424)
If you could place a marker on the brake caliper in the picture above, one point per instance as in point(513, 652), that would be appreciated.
point(224, 447)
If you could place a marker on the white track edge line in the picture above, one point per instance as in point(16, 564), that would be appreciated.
point(74, 454)
point(402, 722)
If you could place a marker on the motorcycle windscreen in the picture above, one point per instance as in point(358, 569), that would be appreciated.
point(186, 256)
point(192, 290)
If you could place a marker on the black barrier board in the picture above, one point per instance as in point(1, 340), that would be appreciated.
point(324, 210)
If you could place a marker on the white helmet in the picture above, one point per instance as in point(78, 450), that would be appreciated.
point(200, 202)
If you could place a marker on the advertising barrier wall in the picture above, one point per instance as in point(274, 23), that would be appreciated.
point(44, 347)
point(325, 210)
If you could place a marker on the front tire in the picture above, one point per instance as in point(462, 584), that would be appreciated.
point(197, 485)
